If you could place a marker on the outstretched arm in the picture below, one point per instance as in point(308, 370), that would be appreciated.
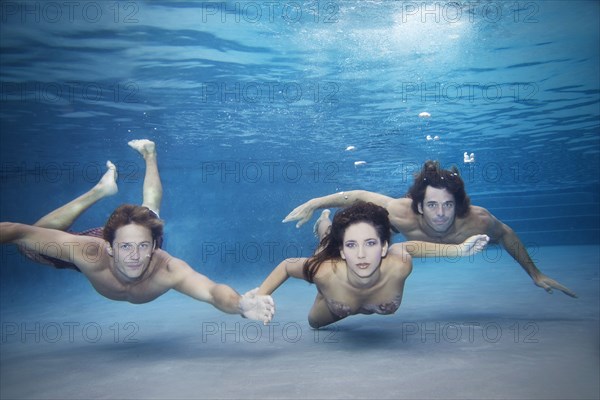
point(304, 212)
point(83, 251)
point(513, 245)
point(289, 267)
point(189, 282)
point(472, 245)
point(482, 220)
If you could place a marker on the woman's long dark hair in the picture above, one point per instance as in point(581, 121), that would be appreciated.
point(331, 243)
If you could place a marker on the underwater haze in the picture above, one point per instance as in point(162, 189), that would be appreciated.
point(258, 106)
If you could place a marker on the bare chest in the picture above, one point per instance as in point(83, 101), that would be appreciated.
point(344, 301)
point(137, 292)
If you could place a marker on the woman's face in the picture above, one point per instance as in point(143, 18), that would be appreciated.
point(362, 249)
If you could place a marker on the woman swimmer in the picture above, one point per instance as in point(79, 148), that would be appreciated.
point(355, 270)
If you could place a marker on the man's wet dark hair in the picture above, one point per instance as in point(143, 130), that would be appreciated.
point(433, 175)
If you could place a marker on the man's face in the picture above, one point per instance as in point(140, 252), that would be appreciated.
point(132, 250)
point(438, 209)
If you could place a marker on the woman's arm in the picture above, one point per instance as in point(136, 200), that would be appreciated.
point(472, 245)
point(289, 267)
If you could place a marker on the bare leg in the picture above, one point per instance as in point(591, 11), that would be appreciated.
point(62, 218)
point(152, 191)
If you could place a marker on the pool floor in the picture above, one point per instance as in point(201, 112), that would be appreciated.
point(465, 330)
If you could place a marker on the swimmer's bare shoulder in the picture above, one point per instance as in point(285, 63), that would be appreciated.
point(478, 221)
point(397, 265)
point(95, 254)
point(169, 270)
point(327, 273)
point(400, 207)
point(401, 214)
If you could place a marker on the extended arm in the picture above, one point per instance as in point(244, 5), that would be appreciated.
point(32, 236)
point(481, 220)
point(304, 212)
point(513, 245)
point(472, 245)
point(289, 267)
point(222, 297)
point(83, 251)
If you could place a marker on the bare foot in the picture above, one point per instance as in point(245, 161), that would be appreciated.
point(322, 231)
point(107, 186)
point(144, 146)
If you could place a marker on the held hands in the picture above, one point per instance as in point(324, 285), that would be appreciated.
point(260, 308)
point(303, 213)
point(474, 244)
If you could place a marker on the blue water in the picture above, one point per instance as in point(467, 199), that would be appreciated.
point(252, 106)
